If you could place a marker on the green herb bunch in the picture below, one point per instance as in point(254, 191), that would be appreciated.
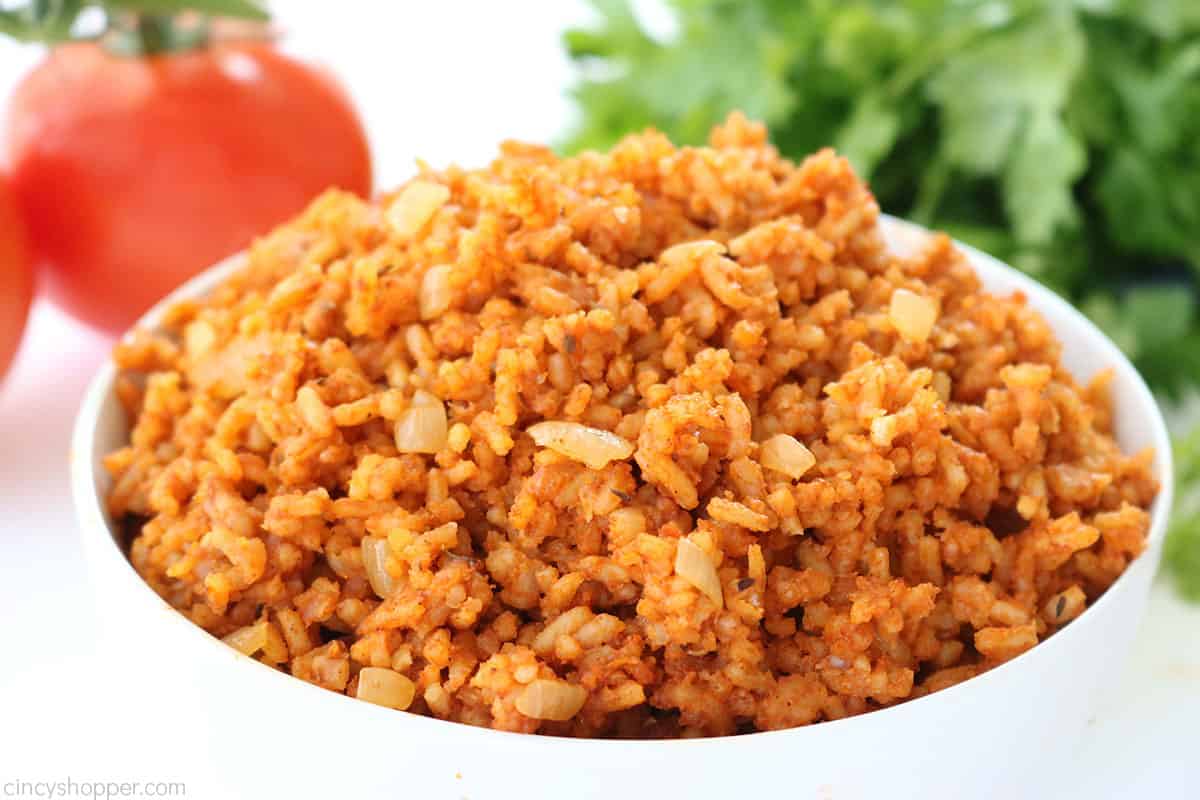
point(1062, 136)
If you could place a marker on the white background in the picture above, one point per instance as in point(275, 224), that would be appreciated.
point(444, 81)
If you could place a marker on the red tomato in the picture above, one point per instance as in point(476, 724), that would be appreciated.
point(16, 280)
point(135, 174)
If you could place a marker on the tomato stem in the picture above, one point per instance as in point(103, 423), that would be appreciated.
point(129, 30)
point(153, 34)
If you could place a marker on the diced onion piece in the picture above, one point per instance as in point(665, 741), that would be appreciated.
point(694, 566)
point(550, 699)
point(786, 454)
point(374, 556)
point(414, 207)
point(912, 315)
point(422, 427)
point(199, 337)
point(275, 650)
point(248, 640)
point(385, 687)
point(435, 291)
point(223, 371)
point(592, 446)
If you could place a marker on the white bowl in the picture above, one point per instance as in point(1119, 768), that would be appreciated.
point(268, 734)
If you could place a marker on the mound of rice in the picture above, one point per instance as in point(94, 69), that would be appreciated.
point(653, 443)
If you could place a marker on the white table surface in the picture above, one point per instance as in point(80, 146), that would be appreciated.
point(67, 705)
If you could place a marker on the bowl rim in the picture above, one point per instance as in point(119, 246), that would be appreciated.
point(93, 522)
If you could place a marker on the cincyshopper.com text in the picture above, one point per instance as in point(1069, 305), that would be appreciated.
point(69, 789)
